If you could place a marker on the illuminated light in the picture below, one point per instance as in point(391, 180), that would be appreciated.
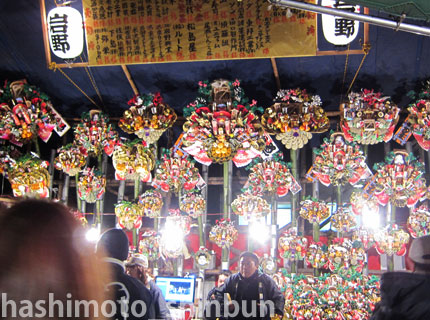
point(337, 30)
point(258, 231)
point(66, 32)
point(172, 237)
point(370, 218)
point(93, 234)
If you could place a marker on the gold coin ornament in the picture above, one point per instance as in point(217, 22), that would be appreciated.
point(71, 159)
point(249, 206)
point(133, 161)
point(391, 240)
point(419, 222)
point(129, 215)
point(150, 203)
point(193, 204)
point(271, 176)
point(339, 162)
point(399, 180)
point(148, 117)
point(222, 125)
point(149, 245)
point(417, 122)
point(91, 185)
point(26, 112)
point(314, 210)
point(95, 133)
point(342, 220)
point(223, 233)
point(292, 246)
point(29, 177)
point(368, 117)
point(294, 117)
point(177, 174)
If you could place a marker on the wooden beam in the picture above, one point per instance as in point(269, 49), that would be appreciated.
point(276, 73)
point(130, 80)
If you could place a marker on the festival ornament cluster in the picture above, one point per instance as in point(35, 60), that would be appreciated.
point(342, 220)
point(177, 174)
point(360, 203)
point(391, 240)
point(91, 185)
point(133, 161)
point(148, 117)
point(26, 112)
point(193, 204)
point(149, 245)
point(314, 210)
point(419, 222)
point(400, 180)
point(71, 159)
point(273, 177)
point(329, 296)
point(368, 117)
point(292, 246)
point(294, 117)
point(339, 162)
point(29, 177)
point(222, 125)
point(345, 257)
point(316, 255)
point(418, 121)
point(95, 133)
point(150, 203)
point(223, 233)
point(129, 215)
point(249, 206)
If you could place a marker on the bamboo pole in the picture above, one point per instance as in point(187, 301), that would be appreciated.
point(293, 156)
point(225, 251)
point(51, 171)
point(65, 191)
point(78, 200)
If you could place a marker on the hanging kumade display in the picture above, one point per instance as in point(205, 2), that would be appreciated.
point(364, 238)
point(71, 159)
point(8, 156)
point(418, 121)
point(150, 203)
point(193, 204)
point(391, 240)
point(29, 177)
point(91, 185)
point(148, 117)
point(249, 206)
point(133, 161)
point(150, 245)
point(419, 222)
point(294, 117)
point(314, 210)
point(400, 180)
point(292, 246)
point(271, 176)
point(344, 258)
point(177, 226)
point(95, 133)
point(223, 233)
point(202, 258)
point(339, 162)
point(316, 255)
point(222, 125)
point(129, 215)
point(177, 174)
point(368, 117)
point(342, 220)
point(25, 113)
point(360, 203)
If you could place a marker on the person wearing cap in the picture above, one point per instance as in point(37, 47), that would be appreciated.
point(406, 295)
point(137, 267)
point(133, 299)
point(251, 293)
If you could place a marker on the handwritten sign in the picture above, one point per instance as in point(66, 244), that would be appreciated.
point(153, 31)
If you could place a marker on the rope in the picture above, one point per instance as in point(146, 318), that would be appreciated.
point(53, 66)
point(93, 82)
point(366, 49)
point(344, 73)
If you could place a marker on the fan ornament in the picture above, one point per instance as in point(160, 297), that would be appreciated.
point(368, 117)
point(222, 125)
point(294, 117)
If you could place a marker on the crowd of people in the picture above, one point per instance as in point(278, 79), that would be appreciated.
point(48, 270)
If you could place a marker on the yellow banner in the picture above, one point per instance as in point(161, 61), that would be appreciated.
point(153, 31)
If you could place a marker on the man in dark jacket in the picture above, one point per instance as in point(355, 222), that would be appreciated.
point(252, 294)
point(133, 299)
point(406, 296)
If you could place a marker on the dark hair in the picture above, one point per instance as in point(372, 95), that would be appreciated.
point(251, 255)
point(115, 244)
point(422, 267)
